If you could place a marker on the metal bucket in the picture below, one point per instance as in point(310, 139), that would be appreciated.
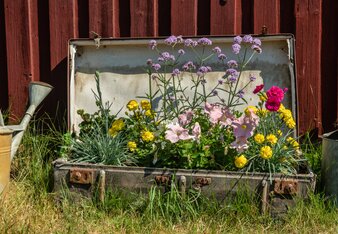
point(330, 165)
point(5, 157)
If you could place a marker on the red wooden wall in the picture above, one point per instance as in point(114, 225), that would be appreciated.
point(34, 34)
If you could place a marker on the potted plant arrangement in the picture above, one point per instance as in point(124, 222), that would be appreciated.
point(202, 131)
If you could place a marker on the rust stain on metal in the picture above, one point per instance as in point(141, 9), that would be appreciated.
point(203, 181)
point(286, 186)
point(81, 176)
point(162, 180)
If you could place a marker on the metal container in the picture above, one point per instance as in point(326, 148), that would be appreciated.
point(5, 157)
point(330, 165)
point(275, 192)
point(121, 63)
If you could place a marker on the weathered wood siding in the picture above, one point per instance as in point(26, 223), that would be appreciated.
point(34, 35)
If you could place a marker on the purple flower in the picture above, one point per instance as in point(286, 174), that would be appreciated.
point(180, 39)
point(214, 92)
point(152, 44)
point(204, 41)
point(171, 40)
point(175, 133)
point(204, 69)
point(181, 51)
point(149, 62)
point(232, 63)
point(256, 48)
point(232, 79)
point(252, 77)
point(240, 94)
point(190, 43)
point(175, 72)
point(167, 57)
point(247, 39)
point(220, 82)
point(160, 59)
point(240, 144)
point(217, 50)
point(156, 66)
point(237, 40)
point(231, 71)
point(236, 48)
point(203, 81)
point(257, 42)
point(222, 57)
point(188, 66)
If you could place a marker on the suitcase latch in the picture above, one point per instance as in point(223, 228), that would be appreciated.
point(81, 176)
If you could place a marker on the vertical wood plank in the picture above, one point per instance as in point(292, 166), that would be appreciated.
point(22, 43)
point(143, 18)
point(226, 18)
point(184, 17)
point(308, 50)
point(267, 13)
point(62, 27)
point(104, 17)
point(3, 60)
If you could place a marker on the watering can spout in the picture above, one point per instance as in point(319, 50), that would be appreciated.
point(37, 93)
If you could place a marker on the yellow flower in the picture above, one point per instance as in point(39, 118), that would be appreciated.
point(259, 138)
point(290, 123)
point(132, 105)
point(147, 136)
point(263, 97)
point(145, 104)
point(250, 108)
point(117, 126)
point(266, 152)
point(132, 146)
point(240, 161)
point(295, 145)
point(280, 133)
point(149, 113)
point(281, 108)
point(290, 139)
point(285, 147)
point(272, 139)
point(262, 112)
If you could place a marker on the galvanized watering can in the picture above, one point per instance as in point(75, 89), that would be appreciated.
point(330, 165)
point(11, 135)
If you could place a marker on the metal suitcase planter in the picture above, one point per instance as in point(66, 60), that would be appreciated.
point(121, 64)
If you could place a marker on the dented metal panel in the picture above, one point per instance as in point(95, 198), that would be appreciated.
point(122, 63)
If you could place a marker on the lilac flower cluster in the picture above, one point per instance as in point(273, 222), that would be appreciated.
point(176, 72)
point(247, 39)
point(165, 56)
point(203, 70)
point(190, 43)
point(204, 41)
point(172, 40)
point(232, 75)
point(188, 66)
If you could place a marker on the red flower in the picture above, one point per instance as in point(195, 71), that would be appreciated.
point(275, 92)
point(272, 104)
point(258, 88)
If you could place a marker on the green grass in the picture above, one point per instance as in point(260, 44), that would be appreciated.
point(30, 206)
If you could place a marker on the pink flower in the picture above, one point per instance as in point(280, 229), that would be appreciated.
point(258, 88)
point(243, 127)
point(184, 119)
point(240, 144)
point(218, 114)
point(196, 131)
point(175, 133)
point(272, 104)
point(275, 92)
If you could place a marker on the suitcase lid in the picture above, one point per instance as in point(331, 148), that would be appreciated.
point(123, 76)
